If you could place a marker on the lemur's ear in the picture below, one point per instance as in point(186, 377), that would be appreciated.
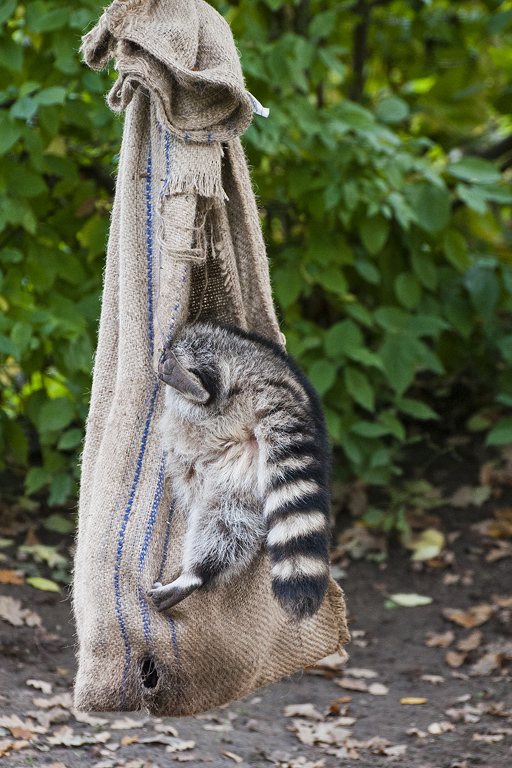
point(184, 381)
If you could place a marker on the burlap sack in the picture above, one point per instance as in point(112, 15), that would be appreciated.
point(185, 242)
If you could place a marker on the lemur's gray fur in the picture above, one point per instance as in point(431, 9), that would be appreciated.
point(248, 459)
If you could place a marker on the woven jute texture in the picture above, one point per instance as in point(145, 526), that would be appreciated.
point(185, 243)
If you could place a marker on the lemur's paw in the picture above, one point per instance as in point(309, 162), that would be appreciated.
point(165, 597)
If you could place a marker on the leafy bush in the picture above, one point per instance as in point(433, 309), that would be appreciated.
point(57, 142)
point(385, 213)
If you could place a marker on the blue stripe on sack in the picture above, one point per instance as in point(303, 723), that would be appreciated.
point(149, 240)
point(160, 483)
point(120, 544)
point(146, 621)
point(166, 542)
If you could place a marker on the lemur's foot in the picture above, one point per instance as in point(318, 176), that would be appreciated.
point(167, 596)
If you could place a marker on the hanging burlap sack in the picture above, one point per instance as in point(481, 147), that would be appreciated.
point(185, 242)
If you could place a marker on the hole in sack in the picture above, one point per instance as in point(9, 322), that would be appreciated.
point(148, 673)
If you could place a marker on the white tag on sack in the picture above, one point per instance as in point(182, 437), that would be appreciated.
point(258, 108)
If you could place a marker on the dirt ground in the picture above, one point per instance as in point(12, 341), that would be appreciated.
point(459, 713)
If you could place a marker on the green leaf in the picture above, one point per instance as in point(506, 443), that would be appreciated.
point(21, 334)
point(9, 347)
point(35, 479)
point(425, 270)
point(431, 205)
point(501, 434)
point(7, 10)
point(323, 23)
point(10, 132)
point(392, 110)
point(322, 375)
point(455, 250)
point(24, 108)
point(48, 96)
point(359, 388)
point(43, 553)
point(332, 279)
point(70, 439)
point(47, 585)
point(474, 197)
point(369, 429)
point(400, 357)
point(16, 441)
point(374, 233)
point(392, 424)
point(60, 488)
point(416, 408)
point(56, 414)
point(395, 320)
point(484, 290)
point(368, 271)
point(59, 524)
point(288, 285)
point(474, 169)
point(365, 357)
point(410, 599)
point(342, 337)
point(407, 290)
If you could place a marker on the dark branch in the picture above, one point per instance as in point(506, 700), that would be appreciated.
point(359, 52)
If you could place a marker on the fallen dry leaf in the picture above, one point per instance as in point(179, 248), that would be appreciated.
point(66, 737)
point(5, 746)
point(303, 710)
point(426, 545)
point(455, 659)
point(178, 745)
point(64, 700)
point(473, 617)
point(502, 602)
point(416, 732)
point(394, 751)
point(166, 728)
point(83, 717)
point(46, 717)
point(434, 679)
point(488, 737)
point(11, 611)
point(501, 526)
point(498, 654)
point(287, 760)
point(324, 733)
point(232, 755)
point(126, 723)
point(413, 700)
point(41, 685)
point(501, 549)
point(466, 495)
point(352, 685)
point(378, 689)
point(443, 639)
point(14, 723)
point(471, 642)
point(359, 672)
point(11, 577)
point(332, 663)
point(437, 728)
point(127, 740)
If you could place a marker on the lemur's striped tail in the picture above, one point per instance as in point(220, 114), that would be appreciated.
point(297, 513)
